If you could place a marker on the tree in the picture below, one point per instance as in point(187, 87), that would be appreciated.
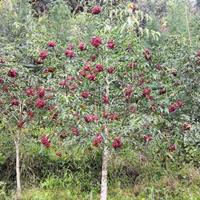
point(106, 89)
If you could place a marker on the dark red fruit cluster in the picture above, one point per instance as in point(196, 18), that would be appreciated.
point(148, 138)
point(117, 143)
point(111, 44)
point(113, 116)
point(172, 148)
point(132, 65)
point(146, 92)
point(111, 70)
point(15, 102)
point(69, 53)
point(91, 118)
point(85, 94)
point(186, 126)
point(174, 106)
point(75, 131)
point(82, 46)
point(96, 41)
point(40, 103)
point(105, 99)
point(43, 55)
point(97, 140)
point(30, 92)
point(128, 92)
point(96, 10)
point(1, 80)
point(51, 43)
point(45, 141)
point(21, 124)
point(12, 73)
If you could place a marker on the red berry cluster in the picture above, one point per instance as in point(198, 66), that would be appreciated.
point(186, 126)
point(96, 10)
point(148, 138)
point(117, 143)
point(97, 140)
point(45, 141)
point(12, 73)
point(172, 148)
point(91, 118)
point(174, 106)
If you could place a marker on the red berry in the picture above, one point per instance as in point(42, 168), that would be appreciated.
point(97, 140)
point(172, 108)
point(132, 109)
point(41, 92)
point(15, 102)
point(96, 10)
point(82, 73)
point(45, 141)
point(82, 46)
point(146, 92)
point(105, 99)
point(117, 143)
point(128, 92)
point(69, 78)
point(75, 131)
point(96, 41)
point(111, 70)
point(51, 43)
point(87, 67)
point(30, 114)
point(105, 115)
point(29, 92)
point(93, 58)
point(148, 138)
point(40, 103)
point(186, 126)
point(91, 118)
point(69, 53)
point(21, 124)
point(85, 94)
point(70, 47)
point(99, 68)
point(1, 81)
point(132, 65)
point(172, 148)
point(111, 44)
point(12, 73)
point(113, 116)
point(43, 54)
point(63, 83)
point(91, 77)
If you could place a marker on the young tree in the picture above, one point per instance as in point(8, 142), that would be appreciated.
point(106, 90)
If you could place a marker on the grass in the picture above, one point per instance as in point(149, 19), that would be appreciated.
point(179, 185)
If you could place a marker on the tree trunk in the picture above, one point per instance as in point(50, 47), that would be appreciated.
point(105, 156)
point(104, 175)
point(18, 192)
